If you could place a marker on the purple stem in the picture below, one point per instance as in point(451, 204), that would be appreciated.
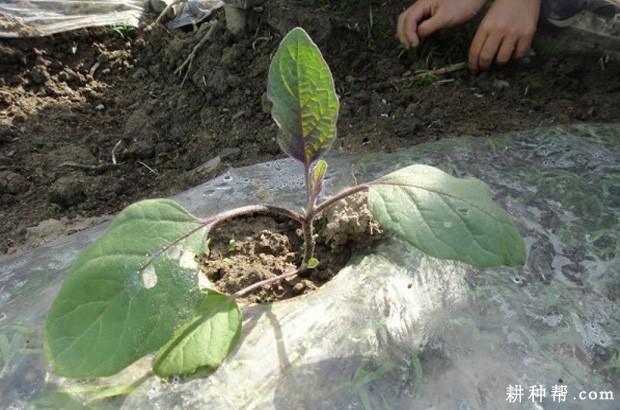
point(332, 200)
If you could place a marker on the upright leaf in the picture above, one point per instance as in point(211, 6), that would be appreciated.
point(205, 341)
point(318, 174)
point(305, 105)
point(125, 295)
point(446, 217)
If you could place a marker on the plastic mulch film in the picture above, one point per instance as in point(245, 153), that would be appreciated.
point(394, 329)
point(33, 18)
point(23, 18)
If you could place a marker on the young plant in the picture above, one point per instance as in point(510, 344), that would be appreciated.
point(137, 289)
point(121, 29)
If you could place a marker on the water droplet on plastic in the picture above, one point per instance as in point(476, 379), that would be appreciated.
point(447, 224)
point(208, 192)
point(463, 211)
point(149, 277)
point(2, 316)
point(227, 178)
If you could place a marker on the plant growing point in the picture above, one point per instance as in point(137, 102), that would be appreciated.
point(137, 289)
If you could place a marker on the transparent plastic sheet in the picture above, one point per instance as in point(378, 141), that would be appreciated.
point(394, 329)
point(193, 12)
point(33, 18)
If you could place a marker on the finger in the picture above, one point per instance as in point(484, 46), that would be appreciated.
point(409, 25)
point(523, 46)
point(428, 27)
point(488, 52)
point(474, 50)
point(411, 30)
point(506, 50)
point(400, 30)
point(403, 29)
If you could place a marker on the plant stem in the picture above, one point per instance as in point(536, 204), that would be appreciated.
point(309, 242)
point(307, 223)
point(310, 199)
point(332, 200)
point(264, 282)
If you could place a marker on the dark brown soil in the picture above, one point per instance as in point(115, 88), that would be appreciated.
point(248, 250)
point(93, 120)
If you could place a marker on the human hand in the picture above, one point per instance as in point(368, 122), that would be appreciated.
point(425, 17)
point(506, 31)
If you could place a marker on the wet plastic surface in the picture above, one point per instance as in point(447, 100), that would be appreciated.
point(42, 17)
point(36, 18)
point(395, 329)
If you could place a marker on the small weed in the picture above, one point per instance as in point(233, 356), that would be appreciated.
point(232, 244)
point(122, 30)
point(426, 78)
point(345, 89)
point(371, 23)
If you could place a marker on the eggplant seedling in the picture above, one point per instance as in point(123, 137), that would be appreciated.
point(138, 289)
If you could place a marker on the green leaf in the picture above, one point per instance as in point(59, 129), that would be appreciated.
point(205, 341)
point(312, 263)
point(305, 105)
point(318, 173)
point(60, 400)
point(446, 217)
point(126, 294)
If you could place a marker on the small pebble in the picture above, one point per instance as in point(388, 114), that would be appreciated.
point(501, 84)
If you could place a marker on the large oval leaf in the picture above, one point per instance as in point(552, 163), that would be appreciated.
point(125, 295)
point(305, 105)
point(446, 217)
point(205, 341)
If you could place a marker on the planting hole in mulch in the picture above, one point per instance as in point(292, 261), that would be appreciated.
point(249, 249)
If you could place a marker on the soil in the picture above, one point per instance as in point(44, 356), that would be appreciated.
point(95, 119)
point(247, 250)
